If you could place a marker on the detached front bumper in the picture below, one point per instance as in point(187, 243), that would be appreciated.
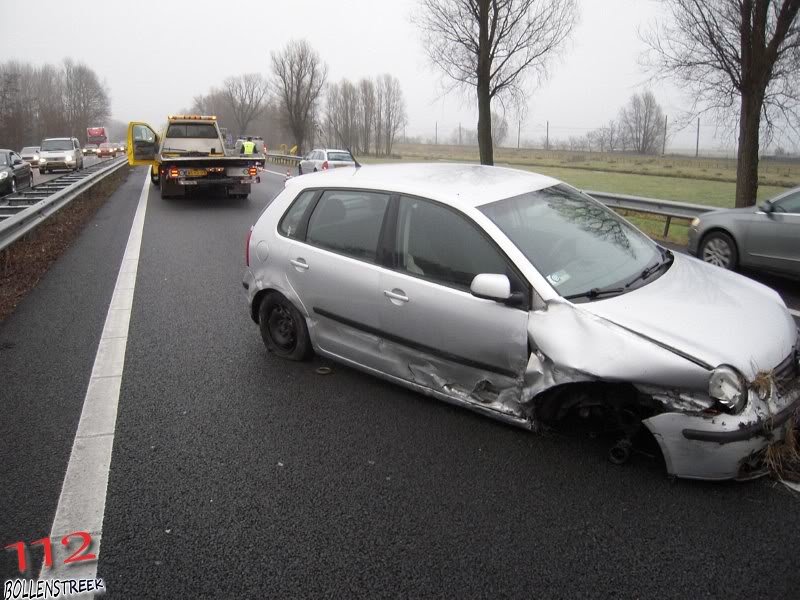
point(724, 446)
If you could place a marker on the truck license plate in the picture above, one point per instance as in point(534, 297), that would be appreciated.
point(197, 173)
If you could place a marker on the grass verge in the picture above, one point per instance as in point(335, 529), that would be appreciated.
point(26, 261)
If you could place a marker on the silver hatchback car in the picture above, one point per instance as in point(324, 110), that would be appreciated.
point(521, 298)
point(323, 159)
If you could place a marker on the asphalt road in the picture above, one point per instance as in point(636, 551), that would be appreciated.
point(235, 474)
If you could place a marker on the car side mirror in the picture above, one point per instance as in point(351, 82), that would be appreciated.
point(17, 161)
point(491, 286)
point(766, 207)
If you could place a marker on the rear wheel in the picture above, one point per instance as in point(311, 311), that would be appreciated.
point(283, 328)
point(299, 169)
point(30, 180)
point(719, 249)
point(155, 178)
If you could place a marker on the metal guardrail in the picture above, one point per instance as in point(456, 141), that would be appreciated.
point(283, 159)
point(22, 212)
point(665, 208)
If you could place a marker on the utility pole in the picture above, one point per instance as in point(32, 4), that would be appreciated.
point(664, 147)
point(437, 133)
point(547, 139)
point(519, 129)
point(697, 146)
point(459, 134)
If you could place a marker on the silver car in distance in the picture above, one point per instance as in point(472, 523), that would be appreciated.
point(521, 298)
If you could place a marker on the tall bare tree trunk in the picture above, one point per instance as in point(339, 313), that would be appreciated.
point(747, 162)
point(484, 81)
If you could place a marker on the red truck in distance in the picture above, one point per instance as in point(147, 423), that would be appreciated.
point(94, 137)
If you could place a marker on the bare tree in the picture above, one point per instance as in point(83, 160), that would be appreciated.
point(342, 112)
point(86, 100)
point(492, 45)
point(367, 105)
point(642, 123)
point(300, 78)
point(392, 109)
point(729, 52)
point(245, 94)
point(499, 129)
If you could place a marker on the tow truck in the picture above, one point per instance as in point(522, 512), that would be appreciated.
point(190, 153)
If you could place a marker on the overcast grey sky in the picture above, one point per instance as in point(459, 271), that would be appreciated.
point(156, 55)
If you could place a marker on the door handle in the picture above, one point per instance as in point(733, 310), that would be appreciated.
point(396, 294)
point(300, 264)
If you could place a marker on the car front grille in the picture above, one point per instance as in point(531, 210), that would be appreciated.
point(786, 375)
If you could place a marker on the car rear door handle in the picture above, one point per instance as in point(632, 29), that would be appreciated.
point(396, 294)
point(300, 264)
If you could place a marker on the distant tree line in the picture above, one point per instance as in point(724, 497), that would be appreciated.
point(297, 106)
point(365, 117)
point(37, 102)
point(640, 128)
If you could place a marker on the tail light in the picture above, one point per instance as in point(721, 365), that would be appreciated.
point(173, 172)
point(247, 248)
point(325, 166)
point(253, 171)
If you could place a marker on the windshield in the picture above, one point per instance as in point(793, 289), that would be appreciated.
point(51, 145)
point(343, 156)
point(29, 150)
point(192, 130)
point(574, 241)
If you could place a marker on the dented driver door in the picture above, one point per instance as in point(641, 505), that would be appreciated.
point(436, 332)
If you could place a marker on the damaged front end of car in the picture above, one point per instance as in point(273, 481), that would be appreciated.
point(709, 422)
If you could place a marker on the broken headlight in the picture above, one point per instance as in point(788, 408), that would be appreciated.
point(728, 388)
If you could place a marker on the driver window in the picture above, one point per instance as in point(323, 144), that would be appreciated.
point(438, 244)
point(142, 133)
point(789, 204)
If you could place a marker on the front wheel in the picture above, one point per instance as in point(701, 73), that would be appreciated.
point(719, 249)
point(13, 186)
point(283, 328)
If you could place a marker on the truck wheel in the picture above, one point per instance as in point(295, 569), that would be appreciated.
point(156, 179)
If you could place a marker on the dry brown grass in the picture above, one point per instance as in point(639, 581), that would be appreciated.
point(783, 458)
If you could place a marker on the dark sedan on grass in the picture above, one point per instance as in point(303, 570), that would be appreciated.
point(766, 236)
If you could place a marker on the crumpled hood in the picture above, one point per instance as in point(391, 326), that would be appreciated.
point(708, 313)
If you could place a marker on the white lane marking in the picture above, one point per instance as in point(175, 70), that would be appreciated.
point(273, 172)
point(82, 503)
point(795, 313)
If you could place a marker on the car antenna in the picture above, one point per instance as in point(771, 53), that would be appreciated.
point(353, 156)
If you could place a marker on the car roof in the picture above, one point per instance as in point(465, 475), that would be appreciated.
point(459, 185)
point(333, 150)
point(58, 138)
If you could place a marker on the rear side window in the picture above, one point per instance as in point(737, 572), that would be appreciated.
point(348, 222)
point(291, 220)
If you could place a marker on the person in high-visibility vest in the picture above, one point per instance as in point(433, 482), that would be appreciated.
point(248, 147)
